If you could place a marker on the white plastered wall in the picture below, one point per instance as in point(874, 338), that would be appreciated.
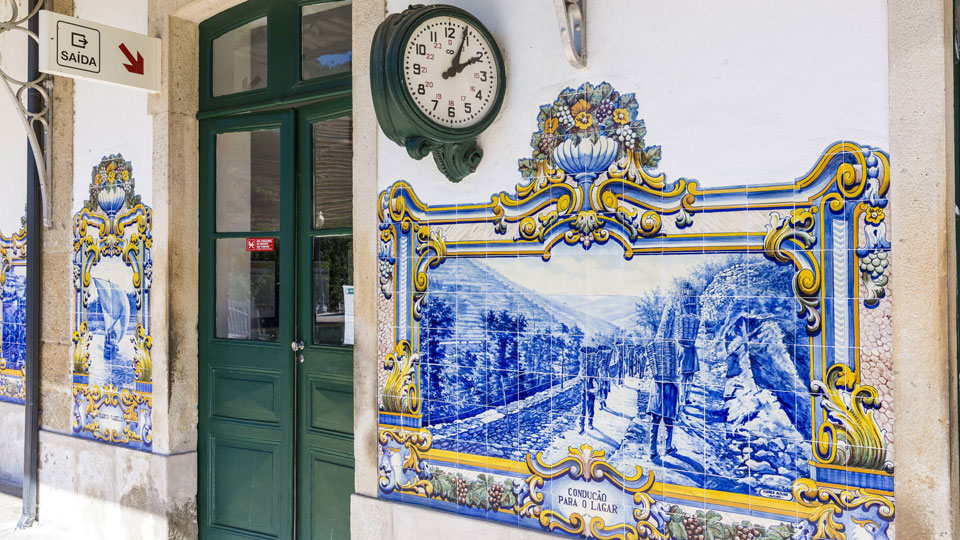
point(741, 92)
point(13, 140)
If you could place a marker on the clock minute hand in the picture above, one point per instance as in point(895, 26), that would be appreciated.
point(456, 57)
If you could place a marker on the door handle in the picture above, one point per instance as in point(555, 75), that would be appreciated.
point(297, 347)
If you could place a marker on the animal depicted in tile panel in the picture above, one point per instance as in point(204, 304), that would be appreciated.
point(112, 278)
point(603, 352)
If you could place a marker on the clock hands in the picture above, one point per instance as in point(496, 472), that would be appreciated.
point(455, 65)
point(460, 67)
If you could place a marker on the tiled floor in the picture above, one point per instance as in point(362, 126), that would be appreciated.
point(10, 509)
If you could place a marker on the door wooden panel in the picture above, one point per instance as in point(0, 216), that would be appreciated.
point(330, 404)
point(249, 473)
point(330, 477)
point(244, 394)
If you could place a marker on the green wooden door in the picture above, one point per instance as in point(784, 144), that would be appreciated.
point(247, 322)
point(276, 377)
point(324, 313)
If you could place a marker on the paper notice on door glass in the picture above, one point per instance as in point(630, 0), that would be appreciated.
point(348, 314)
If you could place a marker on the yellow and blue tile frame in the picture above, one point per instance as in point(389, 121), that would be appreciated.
point(13, 313)
point(605, 353)
point(112, 275)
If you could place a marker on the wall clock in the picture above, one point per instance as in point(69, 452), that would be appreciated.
point(437, 79)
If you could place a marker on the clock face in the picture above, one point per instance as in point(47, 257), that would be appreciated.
point(450, 72)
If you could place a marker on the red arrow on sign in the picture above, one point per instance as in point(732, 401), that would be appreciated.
point(135, 66)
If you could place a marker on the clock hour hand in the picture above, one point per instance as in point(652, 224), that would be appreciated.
point(453, 71)
point(455, 64)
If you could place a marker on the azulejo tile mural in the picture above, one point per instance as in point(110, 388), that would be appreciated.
point(606, 353)
point(13, 313)
point(112, 274)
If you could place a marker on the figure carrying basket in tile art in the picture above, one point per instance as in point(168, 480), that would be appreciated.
point(593, 362)
point(687, 327)
point(664, 404)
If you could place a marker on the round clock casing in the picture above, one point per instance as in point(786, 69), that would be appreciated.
point(454, 148)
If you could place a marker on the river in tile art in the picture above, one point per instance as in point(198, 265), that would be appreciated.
point(511, 355)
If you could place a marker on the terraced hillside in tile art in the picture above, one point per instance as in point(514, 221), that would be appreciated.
point(603, 352)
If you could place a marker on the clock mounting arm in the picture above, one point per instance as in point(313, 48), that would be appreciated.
point(455, 160)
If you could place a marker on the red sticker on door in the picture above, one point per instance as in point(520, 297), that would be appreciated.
point(259, 244)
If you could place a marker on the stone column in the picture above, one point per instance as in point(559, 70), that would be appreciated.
point(922, 149)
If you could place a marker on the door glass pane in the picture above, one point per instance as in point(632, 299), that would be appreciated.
point(248, 288)
point(240, 59)
point(332, 271)
point(333, 173)
point(325, 39)
point(248, 181)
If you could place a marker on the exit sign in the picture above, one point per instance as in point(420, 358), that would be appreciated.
point(88, 50)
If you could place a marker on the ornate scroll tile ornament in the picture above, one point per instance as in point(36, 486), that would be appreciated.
point(842, 515)
point(485, 424)
point(793, 231)
point(13, 316)
point(600, 502)
point(402, 466)
point(401, 393)
point(850, 436)
point(112, 278)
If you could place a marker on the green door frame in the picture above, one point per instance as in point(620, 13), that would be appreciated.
point(299, 446)
point(284, 85)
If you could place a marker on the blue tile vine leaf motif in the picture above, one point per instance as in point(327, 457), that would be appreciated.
point(13, 316)
point(588, 182)
point(112, 279)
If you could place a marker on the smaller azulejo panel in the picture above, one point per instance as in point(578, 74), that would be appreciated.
point(604, 353)
point(112, 275)
point(13, 313)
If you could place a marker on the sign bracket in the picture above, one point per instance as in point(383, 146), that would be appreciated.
point(15, 89)
point(571, 15)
